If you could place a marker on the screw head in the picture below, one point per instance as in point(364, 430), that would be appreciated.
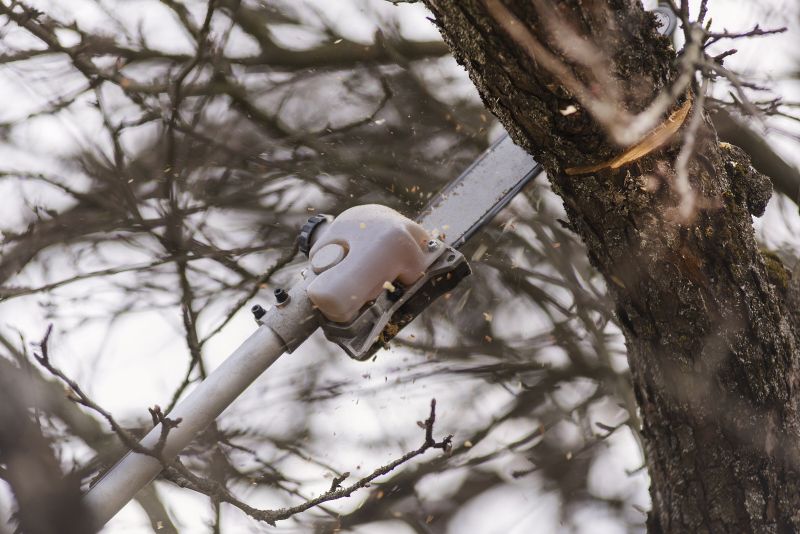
point(281, 296)
point(433, 245)
point(258, 311)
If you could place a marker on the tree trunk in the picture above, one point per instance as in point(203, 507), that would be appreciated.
point(712, 345)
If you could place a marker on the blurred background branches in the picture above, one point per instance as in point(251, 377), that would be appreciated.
point(158, 158)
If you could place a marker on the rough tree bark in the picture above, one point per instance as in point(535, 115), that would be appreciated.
point(712, 343)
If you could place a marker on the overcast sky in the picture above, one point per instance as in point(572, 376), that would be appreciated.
point(134, 364)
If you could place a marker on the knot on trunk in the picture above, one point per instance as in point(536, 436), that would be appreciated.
point(749, 186)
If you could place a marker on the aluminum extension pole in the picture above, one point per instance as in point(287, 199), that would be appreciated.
point(284, 328)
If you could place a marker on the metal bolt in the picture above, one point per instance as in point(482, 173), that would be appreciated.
point(281, 296)
point(433, 245)
point(258, 311)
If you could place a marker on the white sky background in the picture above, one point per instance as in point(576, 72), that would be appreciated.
point(141, 360)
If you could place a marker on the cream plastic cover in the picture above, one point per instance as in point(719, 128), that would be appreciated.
point(380, 245)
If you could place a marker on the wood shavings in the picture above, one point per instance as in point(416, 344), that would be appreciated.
point(479, 252)
point(655, 139)
point(569, 110)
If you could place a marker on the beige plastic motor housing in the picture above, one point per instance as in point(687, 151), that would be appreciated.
point(362, 252)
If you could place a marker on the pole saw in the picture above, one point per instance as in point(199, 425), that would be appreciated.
point(370, 272)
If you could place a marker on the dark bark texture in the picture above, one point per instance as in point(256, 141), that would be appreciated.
point(712, 342)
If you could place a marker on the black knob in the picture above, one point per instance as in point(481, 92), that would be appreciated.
point(306, 232)
point(258, 311)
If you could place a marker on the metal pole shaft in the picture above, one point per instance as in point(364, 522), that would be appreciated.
point(121, 483)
